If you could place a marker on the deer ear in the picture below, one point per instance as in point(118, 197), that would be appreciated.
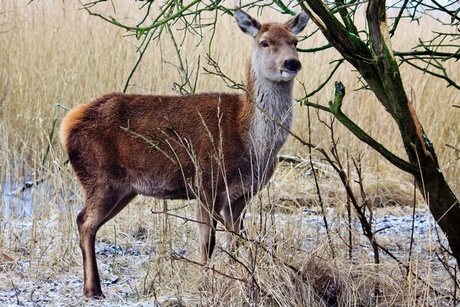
point(247, 24)
point(298, 23)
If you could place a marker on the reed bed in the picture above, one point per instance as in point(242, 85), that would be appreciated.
point(55, 56)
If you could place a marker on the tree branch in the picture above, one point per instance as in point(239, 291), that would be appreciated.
point(323, 84)
point(335, 109)
point(428, 53)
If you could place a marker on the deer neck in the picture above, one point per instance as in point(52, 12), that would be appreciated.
point(272, 102)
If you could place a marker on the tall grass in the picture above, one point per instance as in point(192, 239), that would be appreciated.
point(58, 54)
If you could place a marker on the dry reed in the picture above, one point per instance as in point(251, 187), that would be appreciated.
point(58, 54)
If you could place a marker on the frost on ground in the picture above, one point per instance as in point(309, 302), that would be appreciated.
point(57, 281)
point(21, 285)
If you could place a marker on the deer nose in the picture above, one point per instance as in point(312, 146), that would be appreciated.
point(292, 65)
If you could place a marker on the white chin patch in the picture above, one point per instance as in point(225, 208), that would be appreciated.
point(288, 74)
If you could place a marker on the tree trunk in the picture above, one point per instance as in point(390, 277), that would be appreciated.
point(378, 66)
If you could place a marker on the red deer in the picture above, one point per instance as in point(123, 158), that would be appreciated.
point(217, 148)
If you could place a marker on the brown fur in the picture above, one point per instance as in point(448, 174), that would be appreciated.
point(71, 120)
point(115, 134)
point(217, 148)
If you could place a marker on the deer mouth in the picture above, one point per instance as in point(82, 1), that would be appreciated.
point(289, 74)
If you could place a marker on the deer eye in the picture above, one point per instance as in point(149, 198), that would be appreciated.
point(264, 44)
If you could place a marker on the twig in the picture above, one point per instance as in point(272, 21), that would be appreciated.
point(398, 18)
point(412, 231)
point(440, 76)
point(318, 190)
point(292, 159)
point(366, 226)
point(335, 108)
point(457, 150)
point(323, 84)
point(350, 232)
point(16, 293)
point(177, 256)
point(30, 184)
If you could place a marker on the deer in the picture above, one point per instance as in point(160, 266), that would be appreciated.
point(217, 148)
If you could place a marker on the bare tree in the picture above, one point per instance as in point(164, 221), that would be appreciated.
point(378, 65)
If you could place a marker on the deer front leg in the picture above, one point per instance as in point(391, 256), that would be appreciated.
point(207, 231)
point(232, 215)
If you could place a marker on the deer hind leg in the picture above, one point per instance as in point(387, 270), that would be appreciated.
point(99, 207)
point(232, 214)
